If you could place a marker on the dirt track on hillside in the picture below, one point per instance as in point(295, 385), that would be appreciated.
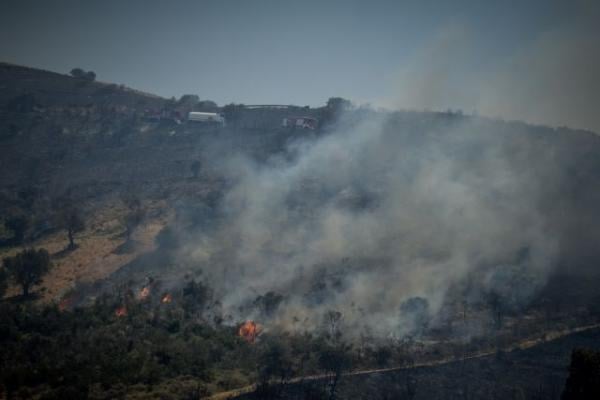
point(521, 345)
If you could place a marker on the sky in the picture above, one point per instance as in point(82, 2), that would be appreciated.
point(533, 60)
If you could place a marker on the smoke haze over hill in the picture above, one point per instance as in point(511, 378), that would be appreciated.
point(270, 199)
point(384, 209)
point(549, 78)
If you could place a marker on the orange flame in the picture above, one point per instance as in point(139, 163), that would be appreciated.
point(167, 298)
point(65, 303)
point(121, 311)
point(249, 330)
point(144, 293)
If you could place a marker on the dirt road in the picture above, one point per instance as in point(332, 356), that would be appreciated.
point(522, 345)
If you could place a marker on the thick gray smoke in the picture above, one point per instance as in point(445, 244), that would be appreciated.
point(551, 79)
point(373, 215)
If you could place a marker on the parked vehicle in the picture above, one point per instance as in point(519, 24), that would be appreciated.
point(300, 122)
point(206, 118)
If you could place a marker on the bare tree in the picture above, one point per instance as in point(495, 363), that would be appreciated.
point(135, 215)
point(334, 360)
point(333, 319)
point(70, 219)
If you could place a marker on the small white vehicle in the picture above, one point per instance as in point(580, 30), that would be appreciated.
point(206, 118)
point(300, 122)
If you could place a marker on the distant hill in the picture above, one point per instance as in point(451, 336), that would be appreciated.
point(54, 89)
point(89, 141)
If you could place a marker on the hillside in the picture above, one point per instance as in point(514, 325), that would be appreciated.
point(51, 89)
point(538, 372)
point(378, 235)
point(100, 151)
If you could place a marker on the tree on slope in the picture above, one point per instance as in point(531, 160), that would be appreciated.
point(28, 267)
point(584, 376)
point(70, 219)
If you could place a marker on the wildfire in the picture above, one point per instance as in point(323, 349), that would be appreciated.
point(144, 293)
point(249, 330)
point(121, 311)
point(167, 298)
point(65, 303)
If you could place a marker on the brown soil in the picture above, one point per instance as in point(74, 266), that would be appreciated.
point(96, 255)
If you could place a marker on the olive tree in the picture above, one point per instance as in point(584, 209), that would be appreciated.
point(18, 225)
point(81, 74)
point(28, 267)
point(70, 219)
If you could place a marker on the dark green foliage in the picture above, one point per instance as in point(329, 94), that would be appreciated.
point(189, 100)
point(3, 282)
point(196, 296)
point(81, 74)
point(73, 223)
point(92, 350)
point(275, 362)
point(90, 76)
point(18, 224)
point(383, 356)
point(27, 197)
point(335, 359)
point(584, 376)
point(338, 104)
point(68, 217)
point(233, 113)
point(28, 267)
point(70, 352)
point(23, 103)
point(156, 351)
point(206, 106)
point(334, 108)
point(77, 72)
point(268, 303)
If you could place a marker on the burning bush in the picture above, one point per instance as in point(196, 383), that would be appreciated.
point(144, 293)
point(121, 311)
point(249, 330)
point(66, 303)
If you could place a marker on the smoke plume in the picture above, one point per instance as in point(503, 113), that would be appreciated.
point(550, 79)
point(381, 217)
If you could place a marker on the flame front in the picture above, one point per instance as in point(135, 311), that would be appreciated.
point(167, 298)
point(65, 304)
point(249, 330)
point(121, 311)
point(144, 293)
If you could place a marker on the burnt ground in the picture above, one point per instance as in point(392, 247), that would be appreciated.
point(539, 372)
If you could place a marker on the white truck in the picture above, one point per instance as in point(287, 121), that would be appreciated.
point(206, 118)
point(300, 122)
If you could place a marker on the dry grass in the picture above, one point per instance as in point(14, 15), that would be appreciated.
point(95, 256)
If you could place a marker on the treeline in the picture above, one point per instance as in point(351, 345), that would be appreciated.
point(164, 342)
point(169, 350)
point(122, 346)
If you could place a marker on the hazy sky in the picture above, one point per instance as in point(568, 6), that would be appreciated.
point(410, 54)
